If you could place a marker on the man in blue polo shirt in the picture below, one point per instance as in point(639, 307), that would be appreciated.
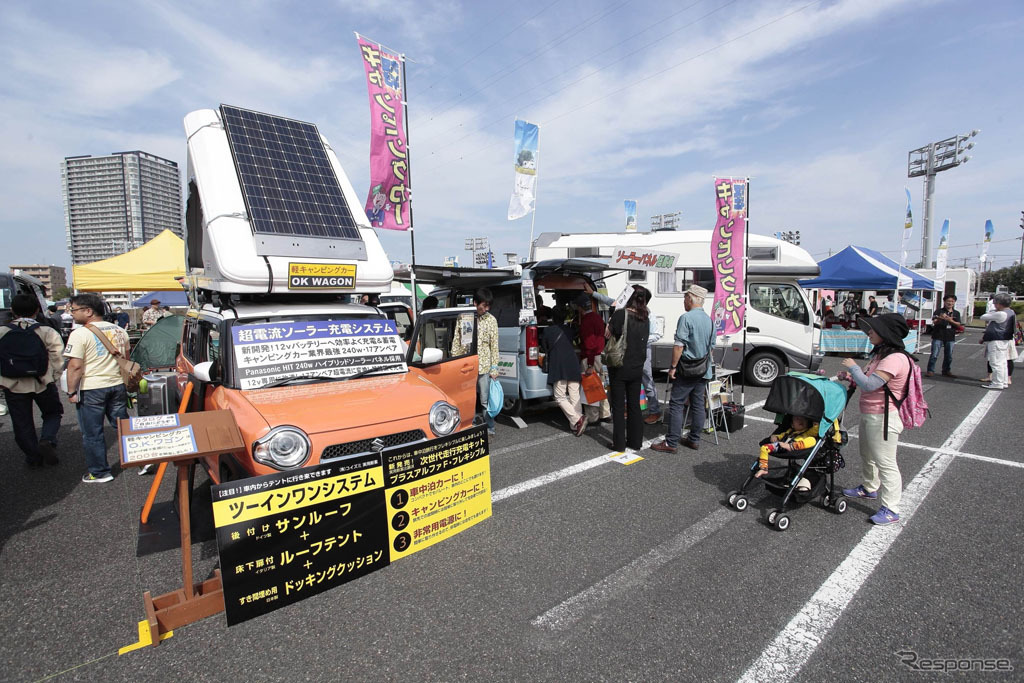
point(694, 339)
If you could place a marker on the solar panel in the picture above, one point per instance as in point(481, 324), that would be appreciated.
point(289, 185)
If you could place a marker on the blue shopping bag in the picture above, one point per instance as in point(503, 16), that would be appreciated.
point(495, 398)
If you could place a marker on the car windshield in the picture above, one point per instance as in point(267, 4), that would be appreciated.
point(270, 350)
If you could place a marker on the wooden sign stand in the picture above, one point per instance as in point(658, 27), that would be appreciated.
point(215, 433)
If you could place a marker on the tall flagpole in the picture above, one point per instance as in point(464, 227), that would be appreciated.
point(536, 183)
point(746, 297)
point(408, 189)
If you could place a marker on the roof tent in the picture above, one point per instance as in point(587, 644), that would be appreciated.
point(860, 268)
point(270, 210)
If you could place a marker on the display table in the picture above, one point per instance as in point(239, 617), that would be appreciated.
point(837, 340)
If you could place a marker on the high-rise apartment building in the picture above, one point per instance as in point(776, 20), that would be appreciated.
point(115, 203)
point(52, 277)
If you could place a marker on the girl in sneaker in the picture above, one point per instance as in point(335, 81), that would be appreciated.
point(888, 365)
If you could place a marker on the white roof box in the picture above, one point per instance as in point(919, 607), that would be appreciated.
point(270, 210)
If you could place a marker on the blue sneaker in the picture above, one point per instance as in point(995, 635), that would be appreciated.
point(884, 516)
point(860, 492)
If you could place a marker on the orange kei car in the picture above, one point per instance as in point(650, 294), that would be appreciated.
point(313, 382)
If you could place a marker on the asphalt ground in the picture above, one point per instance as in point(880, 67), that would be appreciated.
point(587, 570)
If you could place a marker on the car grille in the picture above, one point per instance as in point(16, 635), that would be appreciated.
point(341, 450)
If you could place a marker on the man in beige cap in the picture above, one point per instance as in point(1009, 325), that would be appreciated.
point(694, 341)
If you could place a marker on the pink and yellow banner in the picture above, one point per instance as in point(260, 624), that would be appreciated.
point(389, 204)
point(728, 249)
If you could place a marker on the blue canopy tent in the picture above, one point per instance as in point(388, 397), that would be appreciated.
point(179, 298)
point(860, 268)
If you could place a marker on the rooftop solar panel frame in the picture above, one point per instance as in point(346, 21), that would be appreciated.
point(315, 191)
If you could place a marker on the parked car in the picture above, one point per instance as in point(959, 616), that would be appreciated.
point(555, 281)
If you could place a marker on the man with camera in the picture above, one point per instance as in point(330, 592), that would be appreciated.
point(945, 325)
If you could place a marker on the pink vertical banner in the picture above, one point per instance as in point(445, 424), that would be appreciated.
point(389, 203)
point(728, 249)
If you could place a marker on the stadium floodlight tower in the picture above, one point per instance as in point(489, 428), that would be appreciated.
point(929, 160)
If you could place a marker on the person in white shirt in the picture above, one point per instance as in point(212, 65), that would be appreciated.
point(998, 336)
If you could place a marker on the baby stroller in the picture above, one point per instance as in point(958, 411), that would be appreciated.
point(818, 399)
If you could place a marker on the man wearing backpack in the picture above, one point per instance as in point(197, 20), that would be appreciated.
point(30, 364)
point(94, 380)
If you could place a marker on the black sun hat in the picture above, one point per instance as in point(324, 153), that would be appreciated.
point(891, 327)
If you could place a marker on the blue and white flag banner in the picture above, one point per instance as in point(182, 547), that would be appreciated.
point(908, 230)
point(524, 194)
point(630, 215)
point(989, 231)
point(941, 256)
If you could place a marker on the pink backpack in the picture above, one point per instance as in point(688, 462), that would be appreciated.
point(913, 409)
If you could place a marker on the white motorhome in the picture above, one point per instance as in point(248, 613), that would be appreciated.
point(961, 282)
point(781, 333)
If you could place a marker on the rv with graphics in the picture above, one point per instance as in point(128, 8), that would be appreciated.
point(781, 334)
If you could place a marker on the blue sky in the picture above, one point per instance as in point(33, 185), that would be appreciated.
point(819, 102)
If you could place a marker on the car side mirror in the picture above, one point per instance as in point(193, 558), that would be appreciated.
point(204, 371)
point(432, 355)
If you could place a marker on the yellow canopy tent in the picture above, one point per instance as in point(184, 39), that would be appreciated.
point(153, 266)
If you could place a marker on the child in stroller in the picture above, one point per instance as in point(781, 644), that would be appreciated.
point(801, 435)
point(807, 438)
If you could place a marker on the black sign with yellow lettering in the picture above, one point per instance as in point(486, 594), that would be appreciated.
point(285, 537)
point(436, 489)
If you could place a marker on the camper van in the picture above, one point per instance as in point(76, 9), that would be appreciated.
point(961, 282)
point(781, 334)
point(276, 242)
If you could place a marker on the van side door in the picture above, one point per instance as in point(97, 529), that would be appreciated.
point(450, 334)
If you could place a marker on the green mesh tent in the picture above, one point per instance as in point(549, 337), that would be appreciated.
point(159, 345)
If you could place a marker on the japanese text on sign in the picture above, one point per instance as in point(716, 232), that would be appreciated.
point(728, 253)
point(155, 445)
point(329, 348)
point(285, 537)
point(436, 490)
point(321, 276)
point(633, 258)
point(137, 424)
point(389, 202)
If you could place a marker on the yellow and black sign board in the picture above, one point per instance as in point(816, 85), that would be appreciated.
point(285, 537)
point(321, 276)
point(436, 490)
point(288, 536)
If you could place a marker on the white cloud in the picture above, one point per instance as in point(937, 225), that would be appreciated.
point(64, 71)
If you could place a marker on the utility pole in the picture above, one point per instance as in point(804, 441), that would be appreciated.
point(666, 221)
point(929, 160)
point(1021, 262)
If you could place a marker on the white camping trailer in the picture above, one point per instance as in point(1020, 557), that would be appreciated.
point(241, 241)
point(780, 321)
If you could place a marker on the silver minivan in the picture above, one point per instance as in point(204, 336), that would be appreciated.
point(554, 281)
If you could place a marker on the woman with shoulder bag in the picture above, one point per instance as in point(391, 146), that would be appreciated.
point(627, 336)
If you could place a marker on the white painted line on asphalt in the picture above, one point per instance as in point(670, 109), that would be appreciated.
point(786, 655)
point(544, 479)
point(981, 350)
point(614, 585)
point(530, 444)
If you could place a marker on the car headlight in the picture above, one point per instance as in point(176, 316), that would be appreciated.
point(282, 448)
point(444, 418)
